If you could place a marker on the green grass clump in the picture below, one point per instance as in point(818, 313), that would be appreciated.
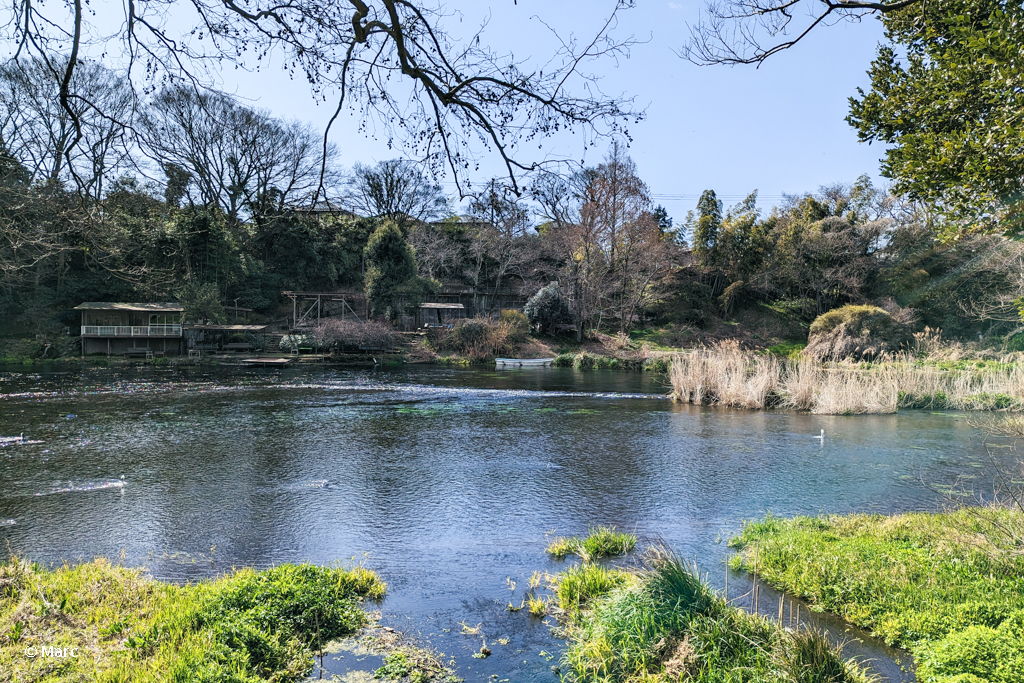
point(244, 627)
point(601, 542)
point(656, 364)
point(948, 586)
point(581, 584)
point(669, 626)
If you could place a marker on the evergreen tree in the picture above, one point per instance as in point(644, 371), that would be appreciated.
point(707, 228)
point(390, 269)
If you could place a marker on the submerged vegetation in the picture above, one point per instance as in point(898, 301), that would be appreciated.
point(665, 624)
point(948, 586)
point(246, 626)
point(730, 376)
point(600, 542)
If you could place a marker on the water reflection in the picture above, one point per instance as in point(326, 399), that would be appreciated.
point(449, 478)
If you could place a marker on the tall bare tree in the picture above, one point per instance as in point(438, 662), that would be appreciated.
point(396, 189)
point(240, 159)
point(41, 134)
point(392, 62)
point(611, 245)
point(500, 226)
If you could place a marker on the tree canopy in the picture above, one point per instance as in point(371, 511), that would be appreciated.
point(947, 95)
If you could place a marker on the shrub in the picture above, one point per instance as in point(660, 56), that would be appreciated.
point(547, 308)
point(477, 339)
point(353, 335)
point(516, 321)
point(860, 332)
point(298, 341)
point(201, 301)
point(19, 350)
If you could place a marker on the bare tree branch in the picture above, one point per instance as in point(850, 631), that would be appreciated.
point(751, 31)
point(391, 62)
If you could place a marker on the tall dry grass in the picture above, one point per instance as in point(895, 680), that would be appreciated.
point(730, 376)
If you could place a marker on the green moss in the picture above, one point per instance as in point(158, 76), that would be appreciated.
point(787, 349)
point(244, 627)
point(948, 586)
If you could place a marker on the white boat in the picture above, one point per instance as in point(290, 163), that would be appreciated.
point(523, 362)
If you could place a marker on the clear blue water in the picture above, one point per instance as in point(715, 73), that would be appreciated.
point(450, 480)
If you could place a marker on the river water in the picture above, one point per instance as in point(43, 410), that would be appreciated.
point(450, 481)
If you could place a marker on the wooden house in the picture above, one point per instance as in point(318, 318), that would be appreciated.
point(142, 329)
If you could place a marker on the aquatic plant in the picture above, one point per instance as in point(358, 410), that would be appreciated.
point(247, 626)
point(564, 360)
point(949, 586)
point(581, 584)
point(600, 542)
point(668, 625)
point(536, 605)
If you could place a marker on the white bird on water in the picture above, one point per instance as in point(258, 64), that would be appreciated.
point(822, 436)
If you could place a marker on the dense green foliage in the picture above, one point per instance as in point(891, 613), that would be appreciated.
point(245, 627)
point(547, 309)
point(392, 283)
point(946, 97)
point(949, 586)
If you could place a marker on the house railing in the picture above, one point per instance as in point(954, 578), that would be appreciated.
point(131, 330)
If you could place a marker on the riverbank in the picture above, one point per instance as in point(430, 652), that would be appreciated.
point(663, 624)
point(728, 375)
point(101, 621)
point(947, 586)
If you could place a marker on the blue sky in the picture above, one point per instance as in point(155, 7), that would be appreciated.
point(778, 128)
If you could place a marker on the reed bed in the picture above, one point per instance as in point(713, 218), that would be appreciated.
point(730, 376)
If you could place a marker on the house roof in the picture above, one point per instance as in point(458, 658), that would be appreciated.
point(452, 306)
point(166, 307)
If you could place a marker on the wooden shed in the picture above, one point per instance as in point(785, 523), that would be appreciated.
point(440, 315)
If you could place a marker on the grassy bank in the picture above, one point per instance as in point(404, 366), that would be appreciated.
point(662, 624)
point(949, 586)
point(247, 626)
point(729, 376)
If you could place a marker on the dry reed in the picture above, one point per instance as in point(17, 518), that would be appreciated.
point(730, 376)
